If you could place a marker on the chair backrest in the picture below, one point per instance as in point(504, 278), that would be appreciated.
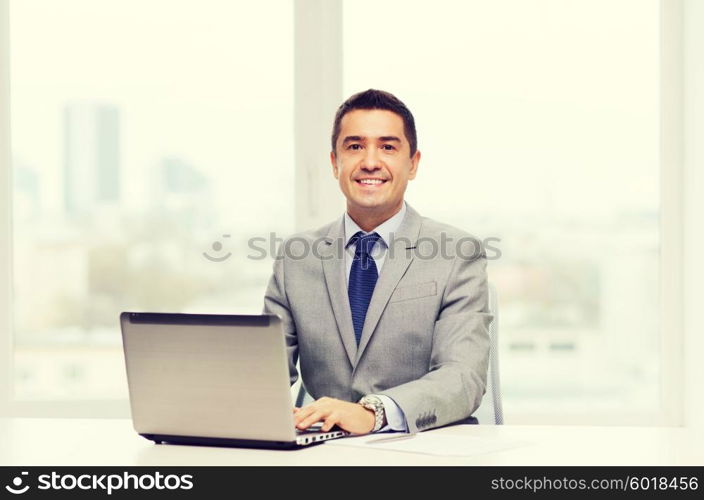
point(299, 395)
point(490, 410)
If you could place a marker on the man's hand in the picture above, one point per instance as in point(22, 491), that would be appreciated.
point(351, 417)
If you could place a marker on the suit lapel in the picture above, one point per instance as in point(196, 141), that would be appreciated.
point(332, 255)
point(397, 261)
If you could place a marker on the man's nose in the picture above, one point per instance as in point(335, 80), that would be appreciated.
point(372, 161)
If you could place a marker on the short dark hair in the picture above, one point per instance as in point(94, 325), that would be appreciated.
point(377, 99)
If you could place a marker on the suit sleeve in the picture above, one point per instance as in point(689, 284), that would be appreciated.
point(456, 381)
point(276, 302)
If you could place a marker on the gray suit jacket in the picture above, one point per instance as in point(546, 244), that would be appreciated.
point(425, 341)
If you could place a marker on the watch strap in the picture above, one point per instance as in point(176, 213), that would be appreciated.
point(375, 404)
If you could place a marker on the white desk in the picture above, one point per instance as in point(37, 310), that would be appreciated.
point(113, 442)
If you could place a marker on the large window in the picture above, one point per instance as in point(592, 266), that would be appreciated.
point(150, 141)
point(538, 124)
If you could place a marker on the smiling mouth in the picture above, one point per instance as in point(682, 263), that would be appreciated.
point(371, 182)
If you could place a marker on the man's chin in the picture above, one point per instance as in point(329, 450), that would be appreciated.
point(367, 204)
point(370, 206)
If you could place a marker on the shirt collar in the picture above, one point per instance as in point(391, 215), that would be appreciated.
point(385, 229)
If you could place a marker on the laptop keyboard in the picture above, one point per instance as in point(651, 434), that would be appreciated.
point(317, 428)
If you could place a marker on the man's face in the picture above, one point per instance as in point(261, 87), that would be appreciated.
point(372, 161)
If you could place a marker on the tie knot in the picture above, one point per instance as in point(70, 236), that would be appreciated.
point(365, 242)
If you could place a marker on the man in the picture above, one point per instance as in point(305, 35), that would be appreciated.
point(386, 309)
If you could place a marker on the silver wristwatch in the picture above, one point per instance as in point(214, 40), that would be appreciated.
point(377, 406)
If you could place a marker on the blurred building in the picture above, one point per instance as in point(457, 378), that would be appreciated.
point(26, 192)
point(91, 157)
point(181, 196)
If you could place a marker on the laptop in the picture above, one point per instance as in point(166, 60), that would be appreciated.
point(207, 379)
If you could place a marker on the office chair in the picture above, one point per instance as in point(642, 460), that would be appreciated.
point(490, 411)
point(298, 393)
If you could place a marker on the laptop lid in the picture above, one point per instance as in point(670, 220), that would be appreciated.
point(205, 375)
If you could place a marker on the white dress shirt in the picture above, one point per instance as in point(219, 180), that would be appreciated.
point(396, 420)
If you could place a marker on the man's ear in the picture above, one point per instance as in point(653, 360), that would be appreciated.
point(415, 160)
point(333, 160)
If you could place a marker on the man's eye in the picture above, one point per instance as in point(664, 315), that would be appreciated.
point(388, 147)
point(354, 146)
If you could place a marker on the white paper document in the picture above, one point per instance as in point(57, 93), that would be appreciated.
point(429, 444)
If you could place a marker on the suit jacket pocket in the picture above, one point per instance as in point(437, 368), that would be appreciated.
point(418, 291)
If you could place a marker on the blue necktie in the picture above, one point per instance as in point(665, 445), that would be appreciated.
point(363, 278)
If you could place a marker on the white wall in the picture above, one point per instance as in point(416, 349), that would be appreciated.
point(5, 213)
point(693, 82)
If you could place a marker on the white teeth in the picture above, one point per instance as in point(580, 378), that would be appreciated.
point(371, 181)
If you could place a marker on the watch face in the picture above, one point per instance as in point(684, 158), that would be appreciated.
point(371, 400)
